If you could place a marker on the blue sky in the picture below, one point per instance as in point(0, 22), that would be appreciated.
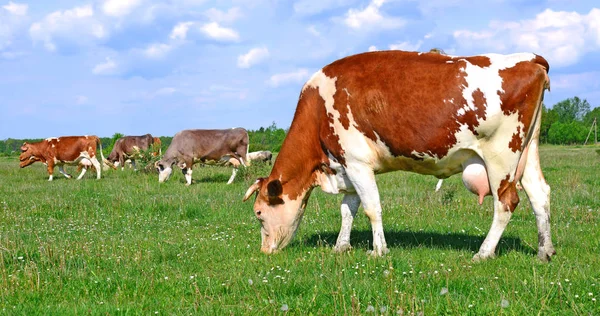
point(159, 66)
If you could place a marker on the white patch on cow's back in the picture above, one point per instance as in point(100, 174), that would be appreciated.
point(508, 61)
point(49, 139)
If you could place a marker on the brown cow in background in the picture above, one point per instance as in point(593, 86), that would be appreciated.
point(70, 150)
point(130, 147)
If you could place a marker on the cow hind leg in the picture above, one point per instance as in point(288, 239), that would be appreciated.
point(538, 192)
point(506, 200)
point(363, 180)
point(83, 171)
point(96, 164)
point(350, 204)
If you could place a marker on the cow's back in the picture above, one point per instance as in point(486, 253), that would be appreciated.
point(419, 105)
point(208, 144)
point(69, 148)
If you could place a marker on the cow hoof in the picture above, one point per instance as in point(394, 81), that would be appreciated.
point(378, 252)
point(342, 248)
point(482, 257)
point(188, 184)
point(546, 255)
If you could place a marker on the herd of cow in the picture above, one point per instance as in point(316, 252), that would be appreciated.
point(187, 148)
point(372, 113)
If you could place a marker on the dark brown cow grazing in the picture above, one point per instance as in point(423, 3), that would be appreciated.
point(71, 150)
point(427, 113)
point(206, 146)
point(129, 147)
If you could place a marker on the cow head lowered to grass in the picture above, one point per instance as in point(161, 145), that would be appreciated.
point(426, 113)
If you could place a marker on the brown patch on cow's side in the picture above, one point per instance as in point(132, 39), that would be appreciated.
point(471, 117)
point(341, 104)
point(479, 61)
point(396, 96)
point(516, 143)
point(507, 194)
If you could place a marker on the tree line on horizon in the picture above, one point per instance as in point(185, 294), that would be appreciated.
point(568, 122)
point(265, 138)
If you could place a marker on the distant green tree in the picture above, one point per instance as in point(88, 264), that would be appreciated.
point(567, 133)
point(269, 138)
point(573, 109)
point(549, 117)
point(589, 117)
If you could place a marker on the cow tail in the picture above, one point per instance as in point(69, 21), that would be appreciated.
point(99, 142)
point(544, 64)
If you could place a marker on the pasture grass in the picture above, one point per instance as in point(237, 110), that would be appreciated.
point(126, 244)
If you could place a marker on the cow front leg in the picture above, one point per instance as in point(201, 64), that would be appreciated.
point(363, 180)
point(350, 204)
point(50, 169)
point(63, 172)
point(187, 172)
point(133, 164)
point(122, 162)
point(232, 176)
point(538, 192)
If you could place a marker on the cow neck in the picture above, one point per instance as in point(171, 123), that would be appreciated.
point(300, 155)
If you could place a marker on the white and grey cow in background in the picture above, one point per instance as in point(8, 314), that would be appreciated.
point(203, 146)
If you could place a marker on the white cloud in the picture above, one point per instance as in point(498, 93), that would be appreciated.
point(373, 48)
point(107, 68)
point(16, 8)
point(371, 17)
point(297, 76)
point(231, 15)
point(561, 37)
point(253, 57)
point(180, 30)
point(77, 25)
point(119, 8)
point(407, 46)
point(217, 32)
point(157, 50)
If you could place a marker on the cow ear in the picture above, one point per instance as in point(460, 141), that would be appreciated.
point(274, 188)
point(253, 188)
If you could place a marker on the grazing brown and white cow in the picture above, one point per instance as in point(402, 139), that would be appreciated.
point(60, 151)
point(427, 113)
point(129, 147)
point(214, 146)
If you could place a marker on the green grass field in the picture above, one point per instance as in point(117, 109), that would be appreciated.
point(127, 245)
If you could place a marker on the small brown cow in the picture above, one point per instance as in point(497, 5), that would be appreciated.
point(129, 147)
point(60, 151)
